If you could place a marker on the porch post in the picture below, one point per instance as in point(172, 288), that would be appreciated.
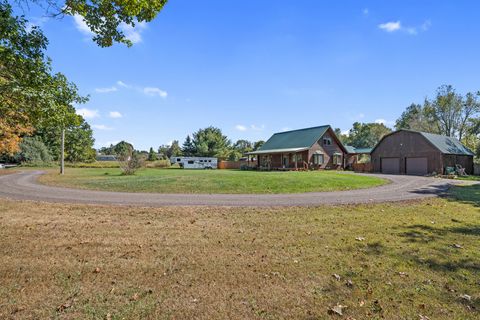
point(295, 155)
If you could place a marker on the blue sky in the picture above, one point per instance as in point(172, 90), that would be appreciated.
point(254, 67)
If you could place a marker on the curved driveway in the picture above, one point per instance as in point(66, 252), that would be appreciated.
point(23, 186)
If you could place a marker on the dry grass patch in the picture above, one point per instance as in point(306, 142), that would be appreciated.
point(97, 262)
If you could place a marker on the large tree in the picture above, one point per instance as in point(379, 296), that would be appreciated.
point(449, 113)
point(366, 135)
point(210, 142)
point(108, 20)
point(30, 94)
point(188, 148)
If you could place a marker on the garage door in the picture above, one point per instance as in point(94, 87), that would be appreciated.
point(417, 166)
point(391, 165)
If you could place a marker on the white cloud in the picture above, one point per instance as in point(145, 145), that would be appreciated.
point(365, 11)
point(384, 122)
point(152, 91)
point(106, 90)
point(82, 25)
point(390, 26)
point(397, 26)
point(133, 33)
point(240, 127)
point(115, 114)
point(88, 113)
point(101, 127)
point(123, 84)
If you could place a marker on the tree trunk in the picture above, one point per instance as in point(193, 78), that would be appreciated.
point(62, 153)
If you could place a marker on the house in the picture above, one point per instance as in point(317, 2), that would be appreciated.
point(354, 155)
point(419, 153)
point(309, 148)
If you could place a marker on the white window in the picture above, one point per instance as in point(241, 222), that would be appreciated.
point(337, 159)
point(327, 141)
point(318, 159)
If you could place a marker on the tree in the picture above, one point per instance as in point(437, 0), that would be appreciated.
point(78, 141)
point(188, 148)
point(122, 149)
point(108, 20)
point(243, 146)
point(130, 162)
point(152, 156)
point(174, 149)
point(210, 142)
point(258, 144)
point(366, 135)
point(30, 94)
point(33, 150)
point(416, 117)
point(449, 114)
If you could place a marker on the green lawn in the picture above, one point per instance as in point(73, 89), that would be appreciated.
point(209, 181)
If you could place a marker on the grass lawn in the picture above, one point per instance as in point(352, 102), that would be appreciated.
point(390, 261)
point(209, 181)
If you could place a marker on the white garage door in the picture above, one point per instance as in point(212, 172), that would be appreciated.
point(391, 165)
point(417, 166)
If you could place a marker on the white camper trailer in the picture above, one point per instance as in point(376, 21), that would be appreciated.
point(195, 162)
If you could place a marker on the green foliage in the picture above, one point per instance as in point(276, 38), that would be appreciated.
point(366, 135)
point(31, 95)
point(449, 114)
point(106, 19)
point(78, 141)
point(33, 150)
point(258, 144)
point(152, 156)
point(188, 148)
point(210, 142)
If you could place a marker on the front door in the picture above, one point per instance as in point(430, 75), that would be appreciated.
point(285, 160)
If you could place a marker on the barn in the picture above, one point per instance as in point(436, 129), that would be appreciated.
point(419, 153)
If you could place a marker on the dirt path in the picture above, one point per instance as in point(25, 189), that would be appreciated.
point(23, 186)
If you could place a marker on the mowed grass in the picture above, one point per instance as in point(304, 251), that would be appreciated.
point(209, 181)
point(390, 261)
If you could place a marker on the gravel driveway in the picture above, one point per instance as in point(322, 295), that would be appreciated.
point(23, 186)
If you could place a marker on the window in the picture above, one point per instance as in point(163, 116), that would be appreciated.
point(327, 141)
point(337, 159)
point(190, 162)
point(209, 160)
point(318, 159)
point(179, 159)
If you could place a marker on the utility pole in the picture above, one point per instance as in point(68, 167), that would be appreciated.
point(62, 156)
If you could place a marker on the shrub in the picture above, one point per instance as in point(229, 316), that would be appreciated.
point(130, 162)
point(159, 164)
point(33, 151)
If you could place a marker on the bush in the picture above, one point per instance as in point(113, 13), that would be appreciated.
point(158, 164)
point(130, 162)
point(33, 152)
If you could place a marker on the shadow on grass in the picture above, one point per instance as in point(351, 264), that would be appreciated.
point(469, 194)
point(427, 234)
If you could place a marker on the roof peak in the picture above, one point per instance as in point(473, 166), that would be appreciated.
point(316, 127)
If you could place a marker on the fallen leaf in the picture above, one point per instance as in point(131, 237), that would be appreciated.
point(338, 309)
point(336, 276)
point(421, 317)
point(97, 270)
point(457, 246)
point(466, 297)
point(360, 238)
point(403, 274)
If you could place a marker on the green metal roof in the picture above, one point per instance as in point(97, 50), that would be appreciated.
point(448, 145)
point(353, 150)
point(295, 139)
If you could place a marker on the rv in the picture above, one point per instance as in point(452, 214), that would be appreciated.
point(195, 162)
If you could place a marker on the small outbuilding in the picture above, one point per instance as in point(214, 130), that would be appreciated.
point(419, 153)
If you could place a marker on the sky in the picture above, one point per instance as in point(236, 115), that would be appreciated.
point(253, 68)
